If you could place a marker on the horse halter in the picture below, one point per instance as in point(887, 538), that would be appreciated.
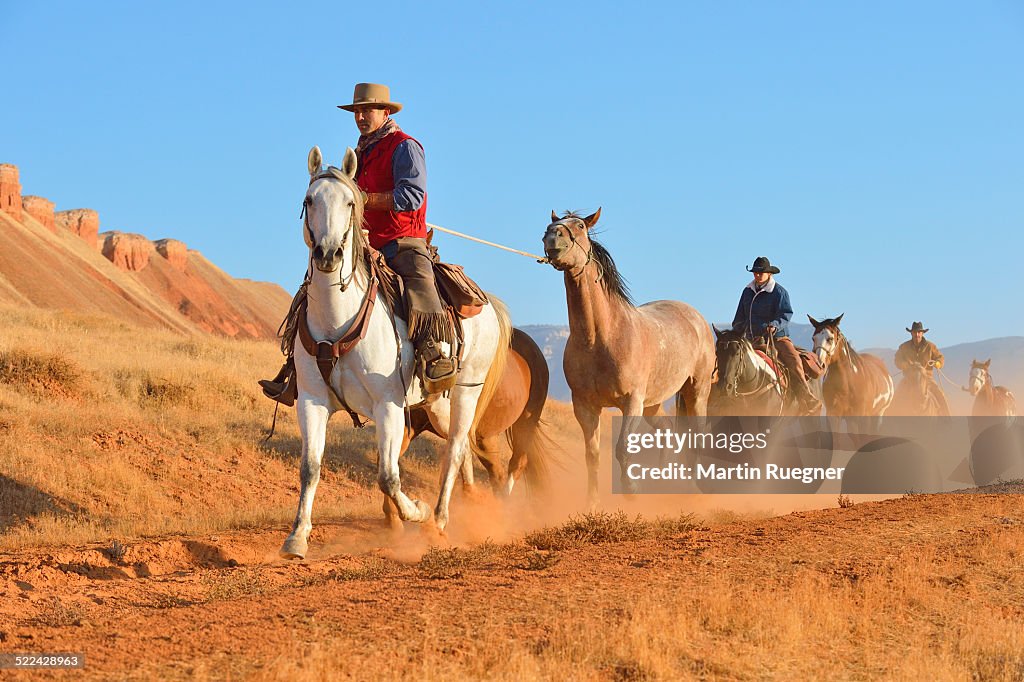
point(835, 346)
point(572, 238)
point(329, 174)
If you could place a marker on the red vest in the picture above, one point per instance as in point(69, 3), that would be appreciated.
point(375, 175)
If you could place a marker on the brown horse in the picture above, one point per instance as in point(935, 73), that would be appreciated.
point(618, 354)
point(855, 384)
point(915, 395)
point(512, 416)
point(989, 400)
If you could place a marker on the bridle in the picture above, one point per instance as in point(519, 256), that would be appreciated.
point(575, 243)
point(839, 341)
point(732, 381)
point(343, 282)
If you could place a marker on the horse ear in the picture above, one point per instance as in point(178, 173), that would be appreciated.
point(314, 161)
point(430, 235)
point(591, 220)
point(987, 363)
point(814, 322)
point(554, 217)
point(349, 163)
point(839, 319)
point(718, 332)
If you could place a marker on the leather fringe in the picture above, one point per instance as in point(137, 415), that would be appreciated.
point(430, 326)
point(290, 325)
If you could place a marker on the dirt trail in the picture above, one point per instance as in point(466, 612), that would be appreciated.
point(226, 606)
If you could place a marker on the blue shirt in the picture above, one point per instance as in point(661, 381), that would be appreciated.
point(409, 169)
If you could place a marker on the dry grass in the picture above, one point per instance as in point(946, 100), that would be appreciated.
point(103, 436)
point(901, 622)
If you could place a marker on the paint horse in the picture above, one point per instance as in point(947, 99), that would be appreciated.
point(618, 354)
point(855, 384)
point(348, 317)
point(747, 383)
point(512, 417)
point(989, 400)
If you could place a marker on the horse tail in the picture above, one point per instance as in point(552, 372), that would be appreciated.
point(497, 368)
point(528, 437)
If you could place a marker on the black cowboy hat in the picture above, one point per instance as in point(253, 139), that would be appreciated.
point(762, 264)
point(916, 327)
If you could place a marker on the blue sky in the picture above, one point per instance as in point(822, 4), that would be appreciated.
point(873, 150)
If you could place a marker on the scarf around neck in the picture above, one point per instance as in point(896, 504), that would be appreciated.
point(368, 140)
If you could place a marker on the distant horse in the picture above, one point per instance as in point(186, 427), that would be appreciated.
point(914, 394)
point(747, 383)
point(855, 384)
point(618, 354)
point(989, 400)
point(513, 416)
point(368, 359)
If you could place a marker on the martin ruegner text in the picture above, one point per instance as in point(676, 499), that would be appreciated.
point(739, 472)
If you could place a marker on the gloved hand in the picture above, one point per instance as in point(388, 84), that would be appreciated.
point(938, 364)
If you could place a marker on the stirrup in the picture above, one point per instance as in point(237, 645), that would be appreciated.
point(281, 388)
point(437, 371)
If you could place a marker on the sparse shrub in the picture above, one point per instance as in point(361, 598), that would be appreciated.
point(443, 564)
point(233, 583)
point(41, 373)
point(845, 502)
point(57, 614)
point(116, 551)
point(592, 529)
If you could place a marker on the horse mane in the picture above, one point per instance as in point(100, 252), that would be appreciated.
point(612, 281)
point(387, 282)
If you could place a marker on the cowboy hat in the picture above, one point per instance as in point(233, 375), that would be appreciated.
point(373, 94)
point(916, 327)
point(762, 264)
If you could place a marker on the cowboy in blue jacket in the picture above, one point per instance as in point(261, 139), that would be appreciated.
point(764, 310)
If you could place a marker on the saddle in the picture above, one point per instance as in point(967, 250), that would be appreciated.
point(812, 369)
point(460, 295)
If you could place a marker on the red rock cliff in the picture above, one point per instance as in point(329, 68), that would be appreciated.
point(84, 222)
point(128, 252)
point(10, 191)
point(41, 209)
point(174, 251)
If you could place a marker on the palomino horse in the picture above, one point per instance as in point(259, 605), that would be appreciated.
point(747, 383)
point(618, 354)
point(914, 394)
point(349, 318)
point(512, 416)
point(989, 400)
point(855, 384)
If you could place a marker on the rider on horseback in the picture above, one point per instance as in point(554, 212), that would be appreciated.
point(920, 351)
point(392, 175)
point(764, 313)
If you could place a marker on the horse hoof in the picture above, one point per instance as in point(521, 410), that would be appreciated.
point(424, 511)
point(294, 548)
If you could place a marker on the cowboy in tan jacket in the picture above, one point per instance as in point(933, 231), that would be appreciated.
point(920, 351)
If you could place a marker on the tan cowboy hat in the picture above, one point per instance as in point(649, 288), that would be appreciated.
point(372, 93)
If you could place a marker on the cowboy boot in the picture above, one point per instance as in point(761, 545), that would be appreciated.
point(437, 370)
point(282, 387)
point(809, 404)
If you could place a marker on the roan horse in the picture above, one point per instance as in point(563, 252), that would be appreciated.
point(747, 384)
point(374, 378)
point(513, 416)
point(989, 400)
point(855, 384)
point(618, 354)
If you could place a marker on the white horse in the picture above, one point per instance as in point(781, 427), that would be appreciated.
point(372, 378)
